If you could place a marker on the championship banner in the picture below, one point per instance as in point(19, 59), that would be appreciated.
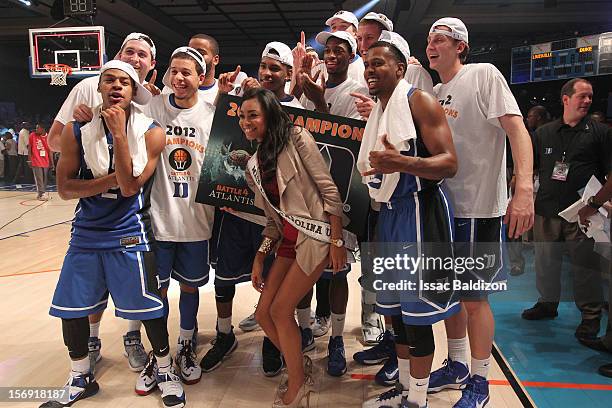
point(223, 183)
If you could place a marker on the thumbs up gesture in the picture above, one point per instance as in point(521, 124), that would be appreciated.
point(386, 161)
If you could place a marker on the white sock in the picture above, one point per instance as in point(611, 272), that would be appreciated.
point(303, 316)
point(164, 363)
point(94, 329)
point(80, 366)
point(337, 324)
point(404, 373)
point(186, 334)
point(134, 325)
point(224, 324)
point(457, 350)
point(418, 391)
point(480, 367)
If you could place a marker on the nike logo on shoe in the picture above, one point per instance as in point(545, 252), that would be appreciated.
point(482, 403)
point(392, 374)
point(148, 385)
point(460, 380)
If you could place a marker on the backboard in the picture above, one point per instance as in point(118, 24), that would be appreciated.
point(81, 48)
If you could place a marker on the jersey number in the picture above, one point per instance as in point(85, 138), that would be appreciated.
point(181, 190)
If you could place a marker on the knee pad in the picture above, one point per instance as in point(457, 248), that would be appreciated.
point(401, 337)
point(76, 335)
point(225, 294)
point(420, 340)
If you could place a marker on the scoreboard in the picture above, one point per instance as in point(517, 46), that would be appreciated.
point(574, 57)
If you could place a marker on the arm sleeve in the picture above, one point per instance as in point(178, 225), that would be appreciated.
point(317, 169)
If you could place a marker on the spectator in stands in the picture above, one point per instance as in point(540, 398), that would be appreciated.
point(2, 151)
point(536, 117)
point(11, 155)
point(40, 158)
point(22, 152)
point(598, 117)
point(567, 152)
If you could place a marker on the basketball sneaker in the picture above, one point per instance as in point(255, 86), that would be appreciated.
point(379, 353)
point(94, 345)
point(475, 394)
point(79, 386)
point(388, 373)
point(186, 361)
point(372, 325)
point(134, 351)
point(320, 326)
point(389, 398)
point(249, 323)
point(272, 361)
point(406, 404)
point(452, 375)
point(308, 342)
point(147, 380)
point(336, 360)
point(223, 346)
point(173, 395)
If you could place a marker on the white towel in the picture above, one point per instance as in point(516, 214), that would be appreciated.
point(95, 146)
point(396, 122)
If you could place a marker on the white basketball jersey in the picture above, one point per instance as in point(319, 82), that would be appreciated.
point(175, 214)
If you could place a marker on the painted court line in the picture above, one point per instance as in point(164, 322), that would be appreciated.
point(535, 384)
point(29, 273)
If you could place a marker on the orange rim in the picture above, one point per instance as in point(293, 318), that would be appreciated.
point(58, 67)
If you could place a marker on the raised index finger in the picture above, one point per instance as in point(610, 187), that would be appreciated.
point(359, 96)
point(153, 77)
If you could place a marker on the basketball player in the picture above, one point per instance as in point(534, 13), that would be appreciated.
point(370, 28)
point(332, 96)
point(108, 164)
point(181, 226)
point(208, 47)
point(139, 51)
point(408, 134)
point(481, 111)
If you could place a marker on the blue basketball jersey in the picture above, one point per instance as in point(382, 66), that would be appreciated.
point(110, 221)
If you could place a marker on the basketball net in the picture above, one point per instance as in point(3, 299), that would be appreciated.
point(59, 73)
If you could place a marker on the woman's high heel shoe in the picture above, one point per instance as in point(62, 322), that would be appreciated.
point(308, 378)
point(303, 393)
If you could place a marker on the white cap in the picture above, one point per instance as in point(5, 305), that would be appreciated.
point(397, 41)
point(282, 53)
point(193, 53)
point(142, 37)
point(324, 36)
point(458, 30)
point(381, 18)
point(345, 16)
point(143, 96)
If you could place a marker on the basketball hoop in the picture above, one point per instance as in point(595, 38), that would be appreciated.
point(59, 73)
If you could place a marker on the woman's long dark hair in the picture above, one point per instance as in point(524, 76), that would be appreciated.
point(279, 128)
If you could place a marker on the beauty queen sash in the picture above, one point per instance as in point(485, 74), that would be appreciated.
point(315, 229)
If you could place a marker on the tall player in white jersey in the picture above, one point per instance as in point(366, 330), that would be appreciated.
point(208, 47)
point(481, 111)
point(139, 51)
point(182, 227)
